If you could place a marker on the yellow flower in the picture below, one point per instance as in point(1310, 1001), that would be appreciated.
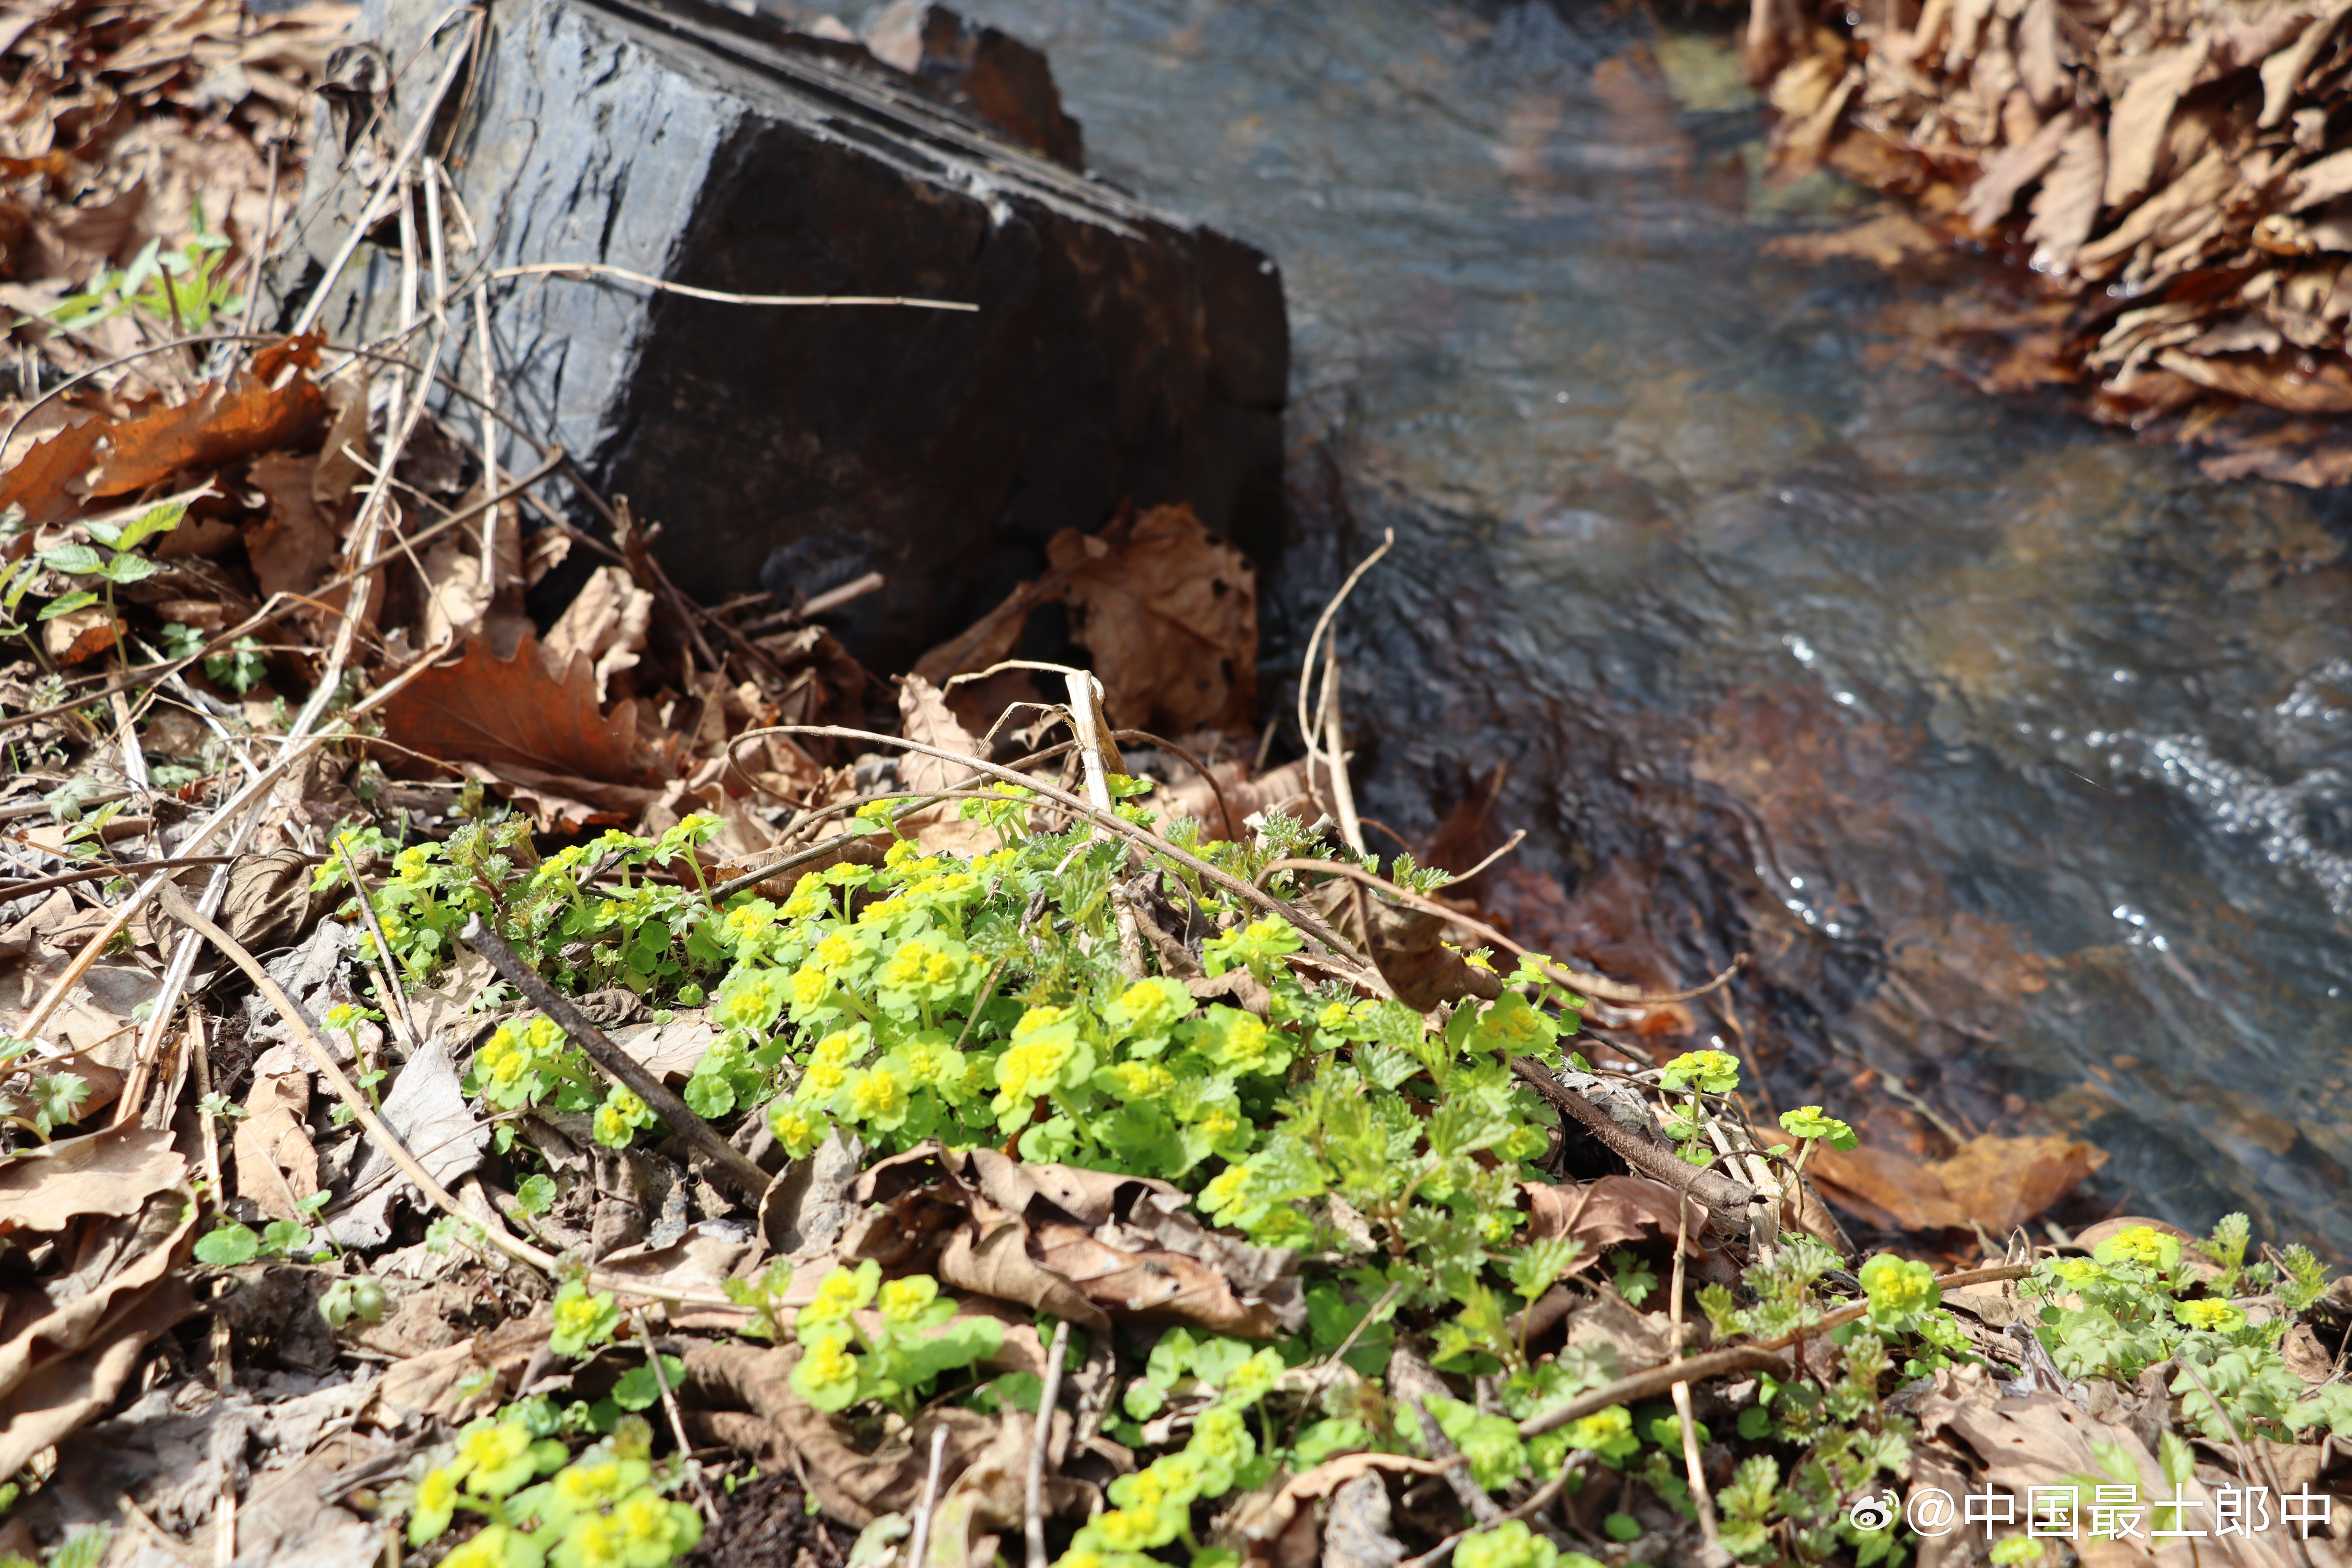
point(838, 1294)
point(931, 1065)
point(838, 1048)
point(1143, 1080)
point(509, 1069)
point(835, 950)
point(1218, 1122)
point(904, 1300)
point(877, 1095)
point(829, 1359)
point(1034, 1067)
point(2219, 1315)
point(437, 1492)
point(809, 899)
point(1247, 1043)
point(1224, 1188)
point(585, 1485)
point(643, 1520)
point(883, 910)
point(597, 1541)
point(493, 1448)
point(1127, 1529)
point(574, 1319)
point(823, 1080)
point(1038, 1018)
point(798, 1130)
point(810, 986)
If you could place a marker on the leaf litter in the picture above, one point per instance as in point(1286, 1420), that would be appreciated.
point(1145, 1174)
point(2161, 217)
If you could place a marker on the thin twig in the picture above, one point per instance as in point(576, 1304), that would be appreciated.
point(1542, 1500)
point(584, 270)
point(336, 1079)
point(677, 1419)
point(1694, 1469)
point(1335, 743)
point(1590, 984)
point(14, 890)
point(1651, 1382)
point(1033, 1508)
point(1306, 729)
point(618, 1064)
point(1472, 1496)
point(922, 1538)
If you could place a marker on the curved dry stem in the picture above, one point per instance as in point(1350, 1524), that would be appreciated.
point(1590, 984)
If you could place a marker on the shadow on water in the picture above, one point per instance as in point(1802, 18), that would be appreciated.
point(2018, 753)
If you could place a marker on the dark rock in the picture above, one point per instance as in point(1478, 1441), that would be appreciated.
point(1117, 354)
point(1001, 80)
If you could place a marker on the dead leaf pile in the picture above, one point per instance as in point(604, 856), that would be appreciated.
point(121, 126)
point(2157, 179)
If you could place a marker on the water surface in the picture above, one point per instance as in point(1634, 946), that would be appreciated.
point(2016, 751)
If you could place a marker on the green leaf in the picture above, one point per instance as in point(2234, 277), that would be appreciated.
point(229, 1245)
point(155, 521)
point(72, 560)
point(637, 1390)
point(284, 1238)
point(67, 604)
point(535, 1195)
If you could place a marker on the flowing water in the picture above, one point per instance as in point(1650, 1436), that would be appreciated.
point(2015, 752)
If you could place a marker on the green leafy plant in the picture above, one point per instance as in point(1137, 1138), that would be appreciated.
point(178, 289)
point(1811, 1127)
point(911, 1340)
point(585, 1318)
point(231, 1244)
point(1691, 1075)
point(603, 1507)
point(117, 565)
point(51, 1100)
point(357, 1297)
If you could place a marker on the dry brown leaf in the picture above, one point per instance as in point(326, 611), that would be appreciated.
point(1167, 613)
point(293, 548)
point(606, 625)
point(924, 716)
point(2001, 1182)
point(223, 422)
point(1998, 1182)
point(542, 736)
point(73, 1346)
point(2012, 1443)
point(2142, 115)
point(1083, 1244)
point(743, 1397)
point(111, 1173)
point(79, 636)
point(1265, 1517)
point(1995, 192)
point(1608, 1211)
point(276, 1165)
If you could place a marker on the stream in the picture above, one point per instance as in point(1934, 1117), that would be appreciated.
point(2017, 754)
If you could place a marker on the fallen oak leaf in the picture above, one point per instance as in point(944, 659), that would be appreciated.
point(224, 421)
point(541, 731)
